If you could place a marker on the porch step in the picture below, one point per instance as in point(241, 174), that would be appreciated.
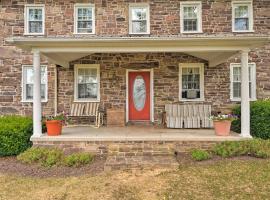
point(140, 162)
point(140, 123)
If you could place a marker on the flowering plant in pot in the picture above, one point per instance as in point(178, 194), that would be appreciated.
point(55, 123)
point(222, 123)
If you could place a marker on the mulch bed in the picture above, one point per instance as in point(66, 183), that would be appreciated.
point(10, 165)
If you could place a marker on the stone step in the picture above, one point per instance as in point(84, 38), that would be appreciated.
point(140, 162)
point(141, 149)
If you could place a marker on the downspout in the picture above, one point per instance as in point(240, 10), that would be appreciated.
point(55, 91)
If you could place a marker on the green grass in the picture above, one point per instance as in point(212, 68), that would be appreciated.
point(200, 155)
point(227, 179)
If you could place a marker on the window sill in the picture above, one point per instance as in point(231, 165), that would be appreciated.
point(33, 34)
point(31, 101)
point(147, 33)
point(192, 100)
point(86, 100)
point(84, 33)
point(239, 100)
point(247, 31)
point(191, 32)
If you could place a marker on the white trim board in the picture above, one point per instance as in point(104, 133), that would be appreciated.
point(151, 92)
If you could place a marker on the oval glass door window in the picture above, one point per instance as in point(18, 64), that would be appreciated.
point(139, 93)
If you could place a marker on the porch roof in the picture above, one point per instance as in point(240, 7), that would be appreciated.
point(215, 49)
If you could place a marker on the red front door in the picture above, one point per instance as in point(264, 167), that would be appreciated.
point(139, 96)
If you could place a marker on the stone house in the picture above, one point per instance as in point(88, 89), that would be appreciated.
point(176, 51)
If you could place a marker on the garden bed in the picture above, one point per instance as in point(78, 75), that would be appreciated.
point(10, 165)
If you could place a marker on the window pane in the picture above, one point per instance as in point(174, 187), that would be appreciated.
point(241, 24)
point(87, 90)
point(190, 25)
point(190, 12)
point(84, 14)
point(236, 90)
point(29, 91)
point(35, 26)
point(139, 13)
point(35, 14)
point(43, 91)
point(85, 27)
point(139, 27)
point(241, 11)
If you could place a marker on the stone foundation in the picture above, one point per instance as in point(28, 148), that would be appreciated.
point(128, 148)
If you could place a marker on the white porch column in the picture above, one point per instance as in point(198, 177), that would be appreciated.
point(245, 109)
point(37, 111)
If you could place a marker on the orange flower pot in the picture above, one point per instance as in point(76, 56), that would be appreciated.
point(222, 128)
point(54, 127)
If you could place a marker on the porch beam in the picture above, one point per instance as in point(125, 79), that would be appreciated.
point(37, 126)
point(245, 102)
point(138, 49)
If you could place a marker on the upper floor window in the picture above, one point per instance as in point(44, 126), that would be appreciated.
point(28, 83)
point(139, 19)
point(242, 16)
point(191, 17)
point(191, 81)
point(236, 81)
point(84, 19)
point(34, 20)
point(87, 82)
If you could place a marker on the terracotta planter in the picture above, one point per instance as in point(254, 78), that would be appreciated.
point(54, 127)
point(222, 128)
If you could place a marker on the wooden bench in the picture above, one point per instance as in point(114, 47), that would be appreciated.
point(188, 116)
point(87, 110)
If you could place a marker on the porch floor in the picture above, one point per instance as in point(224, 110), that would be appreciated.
point(135, 133)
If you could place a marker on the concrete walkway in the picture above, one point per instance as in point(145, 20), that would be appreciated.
point(135, 133)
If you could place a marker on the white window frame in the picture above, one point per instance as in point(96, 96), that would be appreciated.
point(139, 5)
point(188, 4)
point(192, 65)
point(253, 81)
point(76, 68)
point(26, 18)
point(23, 84)
point(84, 5)
point(250, 16)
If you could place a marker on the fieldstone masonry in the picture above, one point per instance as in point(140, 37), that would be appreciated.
point(112, 20)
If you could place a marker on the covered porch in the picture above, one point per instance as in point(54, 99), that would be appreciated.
point(214, 50)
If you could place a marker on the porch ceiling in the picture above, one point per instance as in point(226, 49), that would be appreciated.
point(216, 50)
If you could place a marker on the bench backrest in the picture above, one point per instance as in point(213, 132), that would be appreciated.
point(76, 109)
point(188, 110)
point(91, 109)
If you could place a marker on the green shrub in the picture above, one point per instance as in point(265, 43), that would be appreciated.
point(259, 119)
point(48, 157)
point(78, 159)
point(15, 133)
point(200, 155)
point(256, 147)
point(44, 156)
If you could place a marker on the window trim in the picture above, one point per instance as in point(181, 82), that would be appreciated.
point(84, 5)
point(23, 94)
point(26, 17)
point(192, 65)
point(191, 3)
point(248, 3)
point(253, 81)
point(139, 5)
point(76, 68)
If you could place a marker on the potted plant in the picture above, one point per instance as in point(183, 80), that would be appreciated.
point(222, 123)
point(55, 123)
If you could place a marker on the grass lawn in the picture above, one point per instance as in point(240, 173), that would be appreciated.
point(227, 179)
